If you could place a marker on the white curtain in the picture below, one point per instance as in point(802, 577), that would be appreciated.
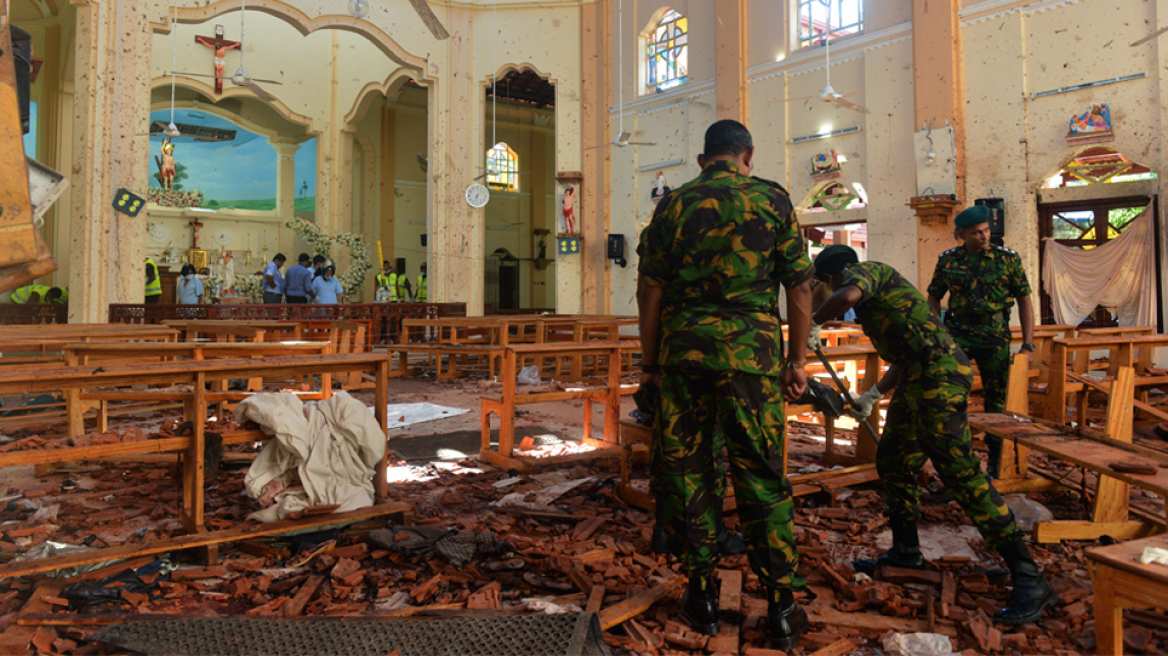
point(1120, 275)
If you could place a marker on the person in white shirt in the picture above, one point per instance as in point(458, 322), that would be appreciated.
point(327, 289)
point(190, 288)
point(273, 281)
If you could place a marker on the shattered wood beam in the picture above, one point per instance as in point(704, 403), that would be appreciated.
point(1106, 389)
point(16, 638)
point(630, 608)
point(197, 540)
point(872, 621)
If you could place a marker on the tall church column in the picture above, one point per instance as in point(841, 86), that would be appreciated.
point(939, 98)
point(285, 178)
point(456, 237)
point(594, 273)
point(730, 36)
point(111, 103)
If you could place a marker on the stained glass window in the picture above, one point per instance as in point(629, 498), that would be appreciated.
point(503, 168)
point(667, 48)
point(820, 20)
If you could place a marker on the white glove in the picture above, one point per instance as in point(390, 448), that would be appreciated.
point(813, 336)
point(867, 403)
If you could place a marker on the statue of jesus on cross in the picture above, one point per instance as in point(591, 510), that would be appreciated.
point(220, 46)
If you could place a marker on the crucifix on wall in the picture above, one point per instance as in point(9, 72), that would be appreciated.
point(220, 46)
point(195, 224)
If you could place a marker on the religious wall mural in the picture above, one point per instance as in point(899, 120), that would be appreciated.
point(217, 164)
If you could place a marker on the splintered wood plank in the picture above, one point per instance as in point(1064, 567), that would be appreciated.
point(630, 608)
point(730, 595)
point(1071, 529)
point(595, 599)
point(840, 647)
point(198, 540)
point(871, 621)
point(296, 606)
point(15, 639)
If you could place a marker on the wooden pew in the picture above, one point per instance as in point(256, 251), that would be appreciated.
point(503, 405)
point(1094, 450)
point(1121, 353)
point(198, 374)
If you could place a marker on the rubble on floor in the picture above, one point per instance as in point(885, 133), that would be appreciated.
point(562, 542)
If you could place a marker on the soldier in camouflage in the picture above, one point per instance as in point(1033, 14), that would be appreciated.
point(983, 281)
point(711, 262)
point(926, 420)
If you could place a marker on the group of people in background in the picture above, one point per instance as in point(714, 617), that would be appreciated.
point(393, 287)
point(310, 280)
point(313, 280)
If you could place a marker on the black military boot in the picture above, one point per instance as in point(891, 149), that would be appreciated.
point(786, 619)
point(700, 606)
point(905, 551)
point(994, 463)
point(1032, 594)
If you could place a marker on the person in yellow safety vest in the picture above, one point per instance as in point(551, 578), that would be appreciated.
point(404, 289)
point(153, 282)
point(386, 284)
point(36, 294)
point(421, 296)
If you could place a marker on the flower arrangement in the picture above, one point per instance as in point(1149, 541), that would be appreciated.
point(321, 244)
point(249, 286)
point(172, 198)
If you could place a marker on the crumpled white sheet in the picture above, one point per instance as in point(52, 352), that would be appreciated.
point(323, 453)
point(1156, 555)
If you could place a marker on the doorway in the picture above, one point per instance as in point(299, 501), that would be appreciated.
point(1090, 224)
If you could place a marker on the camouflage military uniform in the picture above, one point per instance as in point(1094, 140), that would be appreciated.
point(720, 246)
point(927, 417)
point(982, 288)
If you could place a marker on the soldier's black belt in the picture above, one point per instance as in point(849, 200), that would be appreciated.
point(975, 319)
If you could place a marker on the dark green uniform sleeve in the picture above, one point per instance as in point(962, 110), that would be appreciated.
point(653, 249)
point(1016, 278)
point(939, 286)
point(792, 264)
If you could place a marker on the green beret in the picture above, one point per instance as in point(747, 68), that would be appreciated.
point(972, 216)
point(834, 259)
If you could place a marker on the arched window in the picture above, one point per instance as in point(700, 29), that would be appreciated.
point(820, 20)
point(667, 51)
point(503, 168)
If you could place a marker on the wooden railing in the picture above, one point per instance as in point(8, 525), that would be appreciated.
point(12, 314)
point(384, 318)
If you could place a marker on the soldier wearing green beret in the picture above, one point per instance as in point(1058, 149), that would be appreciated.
point(983, 282)
point(927, 420)
point(711, 263)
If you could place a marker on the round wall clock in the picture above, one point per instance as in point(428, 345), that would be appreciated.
point(477, 195)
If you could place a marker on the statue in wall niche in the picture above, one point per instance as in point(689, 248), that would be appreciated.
point(569, 214)
point(226, 268)
point(1097, 119)
point(166, 165)
point(824, 164)
point(171, 254)
point(660, 189)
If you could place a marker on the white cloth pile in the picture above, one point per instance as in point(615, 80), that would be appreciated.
point(1120, 275)
point(323, 453)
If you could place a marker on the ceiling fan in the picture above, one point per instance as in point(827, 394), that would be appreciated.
point(622, 137)
point(241, 78)
point(828, 93)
